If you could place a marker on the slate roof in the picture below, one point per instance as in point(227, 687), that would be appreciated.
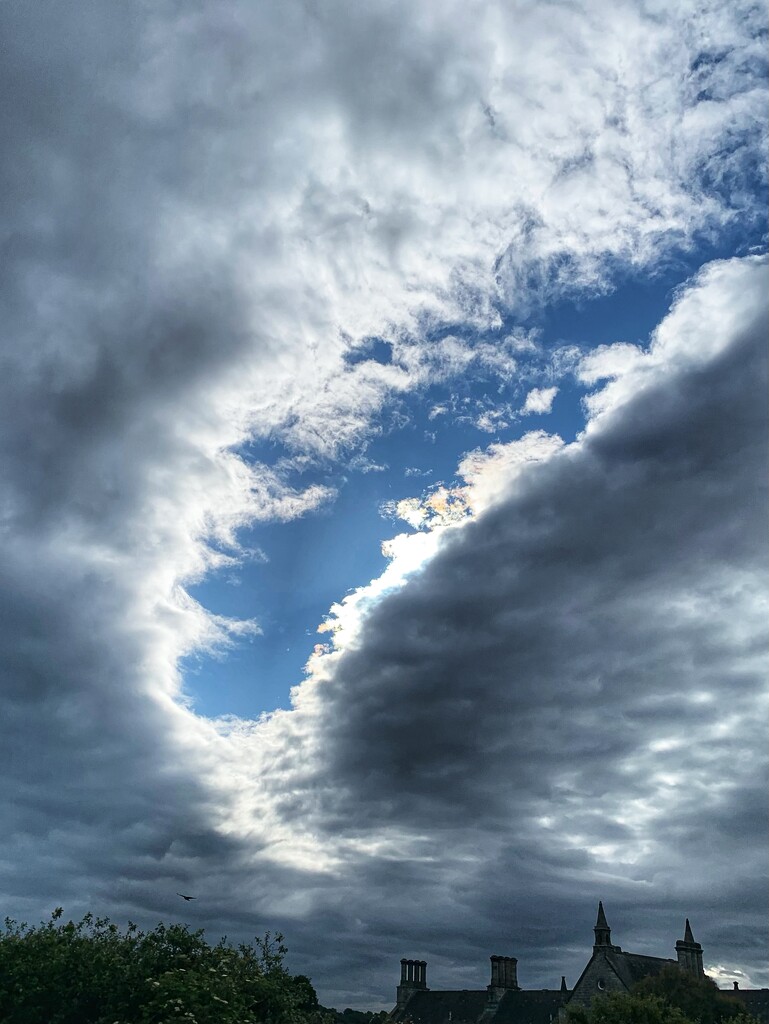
point(628, 967)
point(466, 1007)
point(462, 1007)
point(755, 1001)
point(633, 967)
point(532, 1007)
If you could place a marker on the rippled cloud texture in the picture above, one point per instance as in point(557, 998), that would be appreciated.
point(553, 696)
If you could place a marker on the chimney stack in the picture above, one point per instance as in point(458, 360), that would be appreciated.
point(504, 977)
point(413, 979)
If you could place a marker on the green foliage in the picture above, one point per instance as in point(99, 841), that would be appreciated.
point(699, 998)
point(349, 1016)
point(672, 997)
point(622, 1008)
point(92, 973)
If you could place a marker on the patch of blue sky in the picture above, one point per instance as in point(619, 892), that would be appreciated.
point(376, 349)
point(310, 563)
point(314, 561)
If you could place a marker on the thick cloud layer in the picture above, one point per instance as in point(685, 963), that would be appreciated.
point(204, 213)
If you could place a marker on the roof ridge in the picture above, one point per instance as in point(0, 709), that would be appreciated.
point(644, 956)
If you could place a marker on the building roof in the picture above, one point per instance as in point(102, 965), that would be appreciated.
point(539, 1006)
point(633, 967)
point(459, 1007)
point(755, 1001)
point(628, 967)
point(532, 1007)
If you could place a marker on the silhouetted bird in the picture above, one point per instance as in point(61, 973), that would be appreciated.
point(186, 897)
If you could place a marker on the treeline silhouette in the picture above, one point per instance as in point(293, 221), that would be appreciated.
point(92, 972)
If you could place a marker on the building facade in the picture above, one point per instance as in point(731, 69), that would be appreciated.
point(503, 1001)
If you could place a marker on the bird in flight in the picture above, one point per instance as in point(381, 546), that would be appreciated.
point(186, 897)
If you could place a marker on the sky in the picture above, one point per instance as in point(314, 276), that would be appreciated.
point(383, 451)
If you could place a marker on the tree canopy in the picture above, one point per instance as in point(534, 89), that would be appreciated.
point(94, 973)
point(628, 1008)
point(698, 998)
point(671, 997)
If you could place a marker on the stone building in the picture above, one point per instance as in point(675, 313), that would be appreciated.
point(612, 969)
point(503, 1001)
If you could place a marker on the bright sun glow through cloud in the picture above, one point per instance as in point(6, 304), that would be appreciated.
point(383, 440)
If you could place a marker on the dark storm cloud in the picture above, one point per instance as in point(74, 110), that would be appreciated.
point(565, 597)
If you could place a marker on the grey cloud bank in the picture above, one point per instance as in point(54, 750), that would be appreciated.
point(203, 212)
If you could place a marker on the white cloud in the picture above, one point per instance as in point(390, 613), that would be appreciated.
point(539, 400)
point(608, 361)
point(490, 474)
point(679, 340)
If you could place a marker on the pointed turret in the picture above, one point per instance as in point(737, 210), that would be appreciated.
point(602, 929)
point(689, 953)
point(563, 983)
